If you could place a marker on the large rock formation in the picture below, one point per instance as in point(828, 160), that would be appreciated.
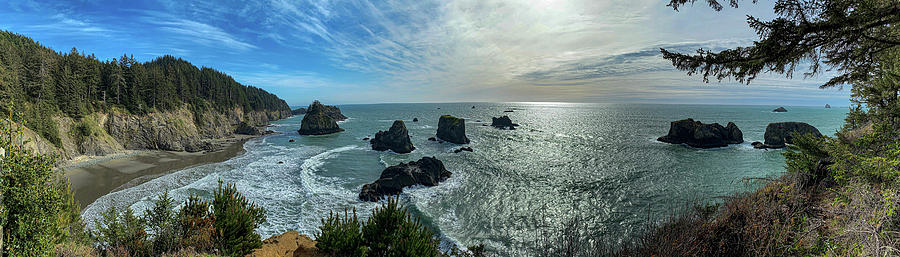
point(780, 109)
point(246, 129)
point(298, 111)
point(317, 121)
point(697, 134)
point(427, 171)
point(395, 139)
point(452, 129)
point(781, 133)
point(334, 112)
point(503, 123)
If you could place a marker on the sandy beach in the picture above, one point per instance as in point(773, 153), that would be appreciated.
point(94, 177)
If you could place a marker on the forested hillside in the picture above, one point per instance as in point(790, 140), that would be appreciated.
point(42, 84)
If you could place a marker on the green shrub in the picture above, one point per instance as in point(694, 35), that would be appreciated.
point(391, 231)
point(161, 223)
point(341, 235)
point(196, 225)
point(235, 219)
point(121, 233)
point(35, 207)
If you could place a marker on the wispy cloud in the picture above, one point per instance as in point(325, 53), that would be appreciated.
point(197, 32)
point(64, 24)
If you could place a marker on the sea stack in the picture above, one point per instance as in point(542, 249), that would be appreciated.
point(780, 134)
point(697, 134)
point(395, 139)
point(317, 121)
point(827, 106)
point(452, 129)
point(503, 123)
point(427, 171)
point(780, 109)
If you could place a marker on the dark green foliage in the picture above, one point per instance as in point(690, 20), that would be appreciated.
point(196, 224)
point(391, 231)
point(122, 233)
point(805, 153)
point(37, 209)
point(45, 83)
point(161, 225)
point(843, 35)
point(341, 235)
point(235, 219)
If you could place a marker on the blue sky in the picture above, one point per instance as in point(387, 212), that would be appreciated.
point(358, 51)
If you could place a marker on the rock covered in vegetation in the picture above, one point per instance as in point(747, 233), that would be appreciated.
point(298, 111)
point(427, 171)
point(780, 109)
point(317, 121)
point(503, 123)
point(780, 133)
point(452, 129)
point(395, 139)
point(697, 134)
point(334, 112)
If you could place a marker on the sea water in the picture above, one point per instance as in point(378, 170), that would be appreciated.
point(599, 163)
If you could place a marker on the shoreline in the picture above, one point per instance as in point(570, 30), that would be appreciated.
point(93, 177)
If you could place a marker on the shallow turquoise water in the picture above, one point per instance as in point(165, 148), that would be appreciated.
point(596, 161)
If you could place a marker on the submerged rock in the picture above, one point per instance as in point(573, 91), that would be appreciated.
point(432, 139)
point(503, 123)
point(395, 139)
point(697, 134)
point(467, 149)
point(317, 121)
point(452, 129)
point(780, 109)
point(427, 171)
point(781, 133)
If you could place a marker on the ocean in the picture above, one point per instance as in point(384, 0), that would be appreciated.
point(599, 163)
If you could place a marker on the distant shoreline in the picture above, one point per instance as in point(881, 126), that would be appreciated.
point(93, 178)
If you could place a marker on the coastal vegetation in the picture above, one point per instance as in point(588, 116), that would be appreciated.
point(45, 84)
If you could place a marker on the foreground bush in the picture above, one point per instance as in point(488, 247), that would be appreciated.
point(224, 227)
point(37, 209)
point(391, 231)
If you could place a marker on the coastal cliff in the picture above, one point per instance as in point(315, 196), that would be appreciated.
point(180, 129)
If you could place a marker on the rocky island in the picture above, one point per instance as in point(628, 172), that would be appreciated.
point(779, 134)
point(503, 123)
point(780, 109)
point(318, 120)
point(395, 139)
point(697, 134)
point(427, 171)
point(452, 129)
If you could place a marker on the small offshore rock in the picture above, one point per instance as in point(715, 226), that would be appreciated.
point(827, 106)
point(432, 139)
point(467, 149)
point(415, 119)
point(395, 139)
point(366, 139)
point(503, 123)
point(780, 109)
point(291, 140)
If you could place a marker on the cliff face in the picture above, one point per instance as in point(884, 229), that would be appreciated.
point(175, 130)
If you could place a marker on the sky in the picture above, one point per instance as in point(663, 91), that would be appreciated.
point(360, 51)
